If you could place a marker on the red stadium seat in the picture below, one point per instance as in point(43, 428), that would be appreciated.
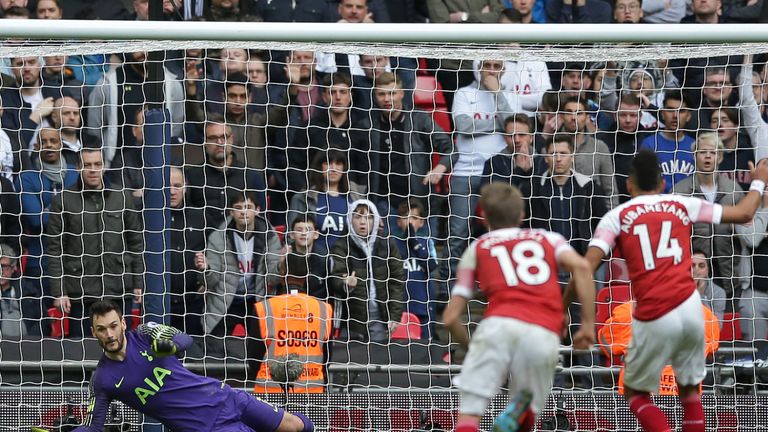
point(343, 420)
point(59, 323)
point(428, 94)
point(280, 229)
point(238, 331)
point(135, 317)
point(403, 420)
point(410, 327)
point(731, 329)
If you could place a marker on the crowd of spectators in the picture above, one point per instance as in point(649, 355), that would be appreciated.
point(377, 199)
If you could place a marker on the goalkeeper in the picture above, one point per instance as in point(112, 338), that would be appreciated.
point(140, 369)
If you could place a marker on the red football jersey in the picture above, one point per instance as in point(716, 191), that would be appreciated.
point(653, 233)
point(517, 270)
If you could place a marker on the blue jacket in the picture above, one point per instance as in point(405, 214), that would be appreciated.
point(419, 262)
point(37, 192)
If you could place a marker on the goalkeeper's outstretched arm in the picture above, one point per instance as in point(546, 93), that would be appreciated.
point(165, 340)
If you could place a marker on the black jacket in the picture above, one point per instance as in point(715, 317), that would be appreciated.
point(425, 137)
point(209, 186)
point(96, 243)
point(10, 215)
point(585, 211)
point(188, 236)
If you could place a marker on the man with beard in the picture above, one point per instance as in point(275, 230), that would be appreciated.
point(49, 172)
point(66, 118)
point(141, 369)
point(221, 174)
point(31, 100)
point(671, 144)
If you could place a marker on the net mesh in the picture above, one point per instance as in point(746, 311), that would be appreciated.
point(468, 51)
point(305, 130)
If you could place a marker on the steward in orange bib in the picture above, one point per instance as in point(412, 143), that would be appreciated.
point(290, 324)
point(615, 335)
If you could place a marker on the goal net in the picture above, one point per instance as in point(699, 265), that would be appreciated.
point(206, 183)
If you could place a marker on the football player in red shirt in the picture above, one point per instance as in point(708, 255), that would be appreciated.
point(653, 232)
point(519, 335)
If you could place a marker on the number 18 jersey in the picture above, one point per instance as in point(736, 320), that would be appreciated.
point(517, 270)
point(653, 233)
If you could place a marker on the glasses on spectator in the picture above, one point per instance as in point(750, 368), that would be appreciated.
point(719, 83)
point(7, 268)
point(634, 7)
point(216, 138)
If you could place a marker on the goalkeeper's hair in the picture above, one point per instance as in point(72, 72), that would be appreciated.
point(645, 171)
point(103, 307)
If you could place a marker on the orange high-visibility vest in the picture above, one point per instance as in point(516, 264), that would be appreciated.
point(294, 324)
point(617, 333)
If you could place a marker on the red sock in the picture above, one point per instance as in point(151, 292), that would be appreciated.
point(649, 415)
point(467, 426)
point(527, 421)
point(693, 414)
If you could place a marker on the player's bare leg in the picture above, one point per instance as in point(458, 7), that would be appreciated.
point(693, 411)
point(649, 415)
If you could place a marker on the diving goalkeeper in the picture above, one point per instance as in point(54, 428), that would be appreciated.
point(140, 369)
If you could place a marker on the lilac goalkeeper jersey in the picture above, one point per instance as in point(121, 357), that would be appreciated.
point(160, 387)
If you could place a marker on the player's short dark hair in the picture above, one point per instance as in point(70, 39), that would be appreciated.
point(103, 307)
point(502, 205)
point(645, 171)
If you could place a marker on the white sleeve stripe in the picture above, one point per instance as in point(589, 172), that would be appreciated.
point(563, 247)
point(601, 244)
point(463, 291)
point(717, 213)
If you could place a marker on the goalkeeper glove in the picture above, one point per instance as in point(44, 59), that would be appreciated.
point(164, 347)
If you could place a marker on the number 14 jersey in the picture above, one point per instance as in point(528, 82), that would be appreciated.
point(517, 270)
point(653, 234)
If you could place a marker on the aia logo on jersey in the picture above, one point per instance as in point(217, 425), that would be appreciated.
point(480, 116)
